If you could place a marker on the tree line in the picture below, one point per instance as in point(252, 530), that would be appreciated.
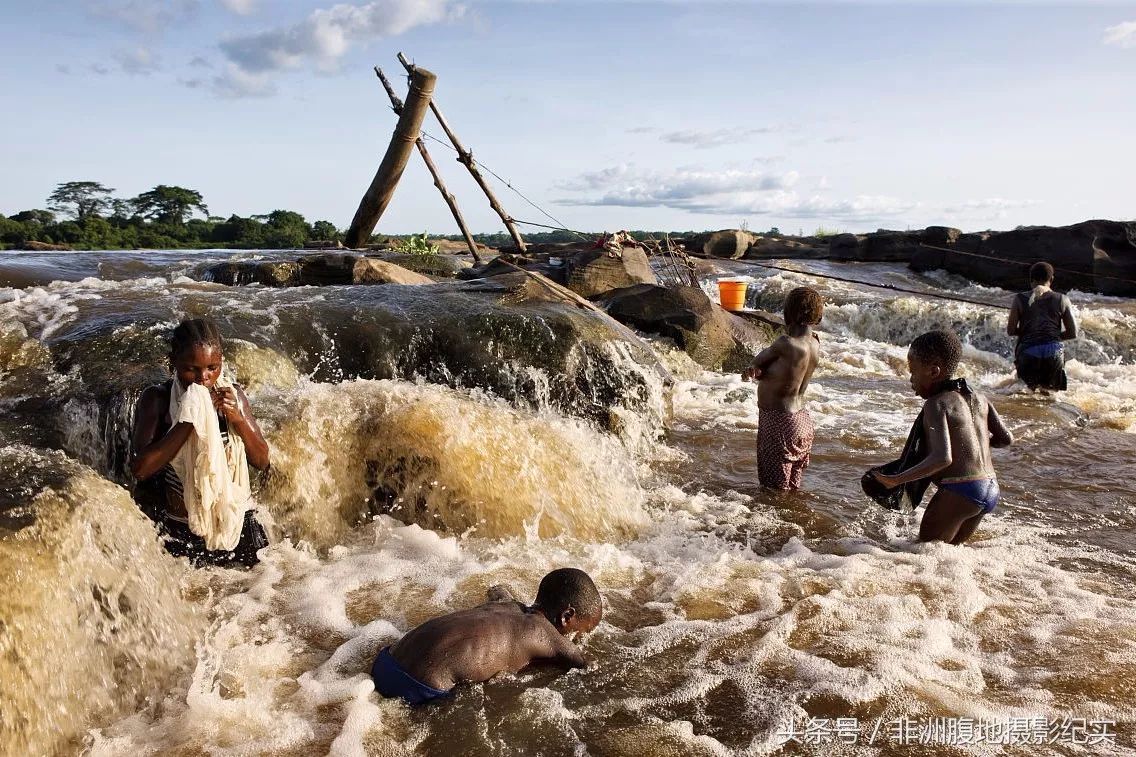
point(86, 215)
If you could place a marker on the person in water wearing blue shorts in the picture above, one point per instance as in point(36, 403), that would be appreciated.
point(959, 427)
point(500, 636)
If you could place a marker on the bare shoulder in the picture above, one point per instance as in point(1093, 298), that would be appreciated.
point(155, 397)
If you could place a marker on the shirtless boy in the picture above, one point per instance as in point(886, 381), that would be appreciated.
point(783, 369)
point(960, 426)
point(499, 636)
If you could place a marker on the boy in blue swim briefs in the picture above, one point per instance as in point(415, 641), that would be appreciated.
point(959, 426)
point(499, 636)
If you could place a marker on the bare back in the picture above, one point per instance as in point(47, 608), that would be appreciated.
point(967, 431)
point(786, 367)
point(475, 645)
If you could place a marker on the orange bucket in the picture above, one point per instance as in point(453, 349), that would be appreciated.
point(732, 294)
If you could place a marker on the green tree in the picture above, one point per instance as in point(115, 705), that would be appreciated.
point(170, 205)
point(42, 217)
point(325, 231)
point(80, 199)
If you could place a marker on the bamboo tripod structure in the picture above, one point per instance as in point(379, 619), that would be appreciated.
point(396, 106)
point(465, 157)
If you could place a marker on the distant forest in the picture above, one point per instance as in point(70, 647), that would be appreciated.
point(86, 215)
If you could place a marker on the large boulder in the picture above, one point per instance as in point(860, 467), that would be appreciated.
point(846, 247)
point(890, 246)
point(714, 338)
point(440, 265)
point(785, 247)
point(328, 269)
point(593, 272)
point(1093, 255)
point(730, 244)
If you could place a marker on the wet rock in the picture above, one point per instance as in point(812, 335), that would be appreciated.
point(440, 265)
point(508, 263)
point(370, 271)
point(727, 243)
point(783, 247)
point(593, 272)
point(941, 235)
point(1096, 255)
point(890, 246)
point(713, 337)
point(846, 247)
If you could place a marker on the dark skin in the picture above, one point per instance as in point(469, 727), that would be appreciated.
point(1014, 321)
point(784, 368)
point(155, 444)
point(959, 436)
point(500, 636)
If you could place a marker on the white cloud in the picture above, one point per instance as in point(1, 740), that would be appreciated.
point(138, 62)
point(327, 34)
point(240, 7)
point(988, 209)
point(234, 82)
point(728, 192)
point(1121, 35)
point(704, 139)
point(148, 16)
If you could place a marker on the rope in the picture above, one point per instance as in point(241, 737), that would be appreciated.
point(1019, 262)
point(582, 235)
point(892, 287)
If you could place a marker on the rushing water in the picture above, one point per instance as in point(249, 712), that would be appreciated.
point(730, 613)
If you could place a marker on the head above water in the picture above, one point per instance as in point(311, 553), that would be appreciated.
point(195, 352)
point(570, 600)
point(933, 357)
point(803, 307)
point(1041, 273)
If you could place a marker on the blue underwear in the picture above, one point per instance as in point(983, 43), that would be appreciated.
point(982, 492)
point(1049, 349)
point(392, 681)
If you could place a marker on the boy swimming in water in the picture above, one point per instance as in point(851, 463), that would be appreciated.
point(959, 426)
point(500, 636)
point(783, 369)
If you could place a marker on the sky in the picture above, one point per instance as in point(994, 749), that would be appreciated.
point(639, 115)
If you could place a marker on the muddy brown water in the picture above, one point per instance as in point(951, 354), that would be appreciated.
point(732, 615)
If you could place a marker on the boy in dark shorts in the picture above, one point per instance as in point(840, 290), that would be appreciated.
point(783, 369)
point(500, 636)
point(959, 427)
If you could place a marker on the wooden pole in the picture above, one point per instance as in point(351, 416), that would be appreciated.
point(379, 194)
point(396, 106)
point(465, 157)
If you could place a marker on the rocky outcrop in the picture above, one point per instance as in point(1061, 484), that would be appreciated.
point(784, 247)
point(329, 269)
point(730, 244)
point(713, 337)
point(591, 273)
point(1094, 256)
point(440, 265)
point(31, 244)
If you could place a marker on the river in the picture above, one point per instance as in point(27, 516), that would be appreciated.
point(733, 616)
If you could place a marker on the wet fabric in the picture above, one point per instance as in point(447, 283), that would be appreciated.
point(1042, 372)
point(392, 681)
point(214, 474)
point(908, 496)
point(1039, 317)
point(1049, 349)
point(784, 441)
point(180, 541)
point(983, 492)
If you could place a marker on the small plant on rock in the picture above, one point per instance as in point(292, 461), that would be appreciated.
point(417, 245)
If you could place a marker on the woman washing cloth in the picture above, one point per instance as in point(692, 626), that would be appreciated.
point(194, 438)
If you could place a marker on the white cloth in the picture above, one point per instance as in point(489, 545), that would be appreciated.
point(1036, 292)
point(214, 476)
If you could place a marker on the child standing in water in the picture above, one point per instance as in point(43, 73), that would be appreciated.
point(500, 636)
point(783, 369)
point(959, 427)
point(158, 439)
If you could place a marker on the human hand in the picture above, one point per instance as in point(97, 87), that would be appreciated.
point(888, 481)
point(225, 402)
point(753, 373)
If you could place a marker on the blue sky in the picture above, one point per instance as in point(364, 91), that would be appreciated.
point(669, 115)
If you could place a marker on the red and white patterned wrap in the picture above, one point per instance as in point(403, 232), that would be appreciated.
point(784, 441)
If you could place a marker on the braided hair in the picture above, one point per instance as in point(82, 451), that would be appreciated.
point(194, 332)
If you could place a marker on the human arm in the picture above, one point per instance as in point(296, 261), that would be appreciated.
point(150, 455)
point(938, 438)
point(1068, 320)
point(1014, 321)
point(763, 360)
point(234, 405)
point(1000, 436)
